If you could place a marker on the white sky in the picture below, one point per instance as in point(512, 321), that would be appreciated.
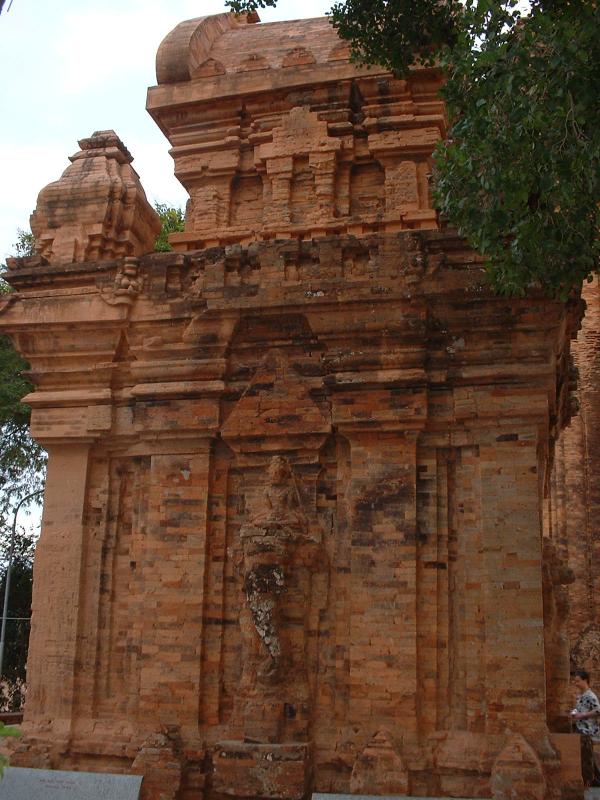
point(71, 67)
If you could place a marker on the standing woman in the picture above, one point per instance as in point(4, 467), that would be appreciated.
point(586, 716)
point(587, 707)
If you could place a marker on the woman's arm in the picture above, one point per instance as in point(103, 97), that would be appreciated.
point(595, 712)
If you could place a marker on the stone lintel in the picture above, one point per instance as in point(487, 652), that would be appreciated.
point(177, 389)
point(68, 398)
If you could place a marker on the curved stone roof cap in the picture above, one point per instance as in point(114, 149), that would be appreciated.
point(230, 43)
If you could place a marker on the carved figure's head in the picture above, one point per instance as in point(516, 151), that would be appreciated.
point(279, 470)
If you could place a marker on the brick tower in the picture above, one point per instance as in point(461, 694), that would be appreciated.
point(292, 534)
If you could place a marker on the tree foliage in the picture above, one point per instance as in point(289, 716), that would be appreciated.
point(7, 730)
point(22, 471)
point(173, 221)
point(519, 175)
point(12, 687)
point(22, 460)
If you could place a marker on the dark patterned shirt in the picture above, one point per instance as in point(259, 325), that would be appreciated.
point(590, 726)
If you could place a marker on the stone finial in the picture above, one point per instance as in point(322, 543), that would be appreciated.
point(183, 54)
point(517, 772)
point(380, 768)
point(97, 210)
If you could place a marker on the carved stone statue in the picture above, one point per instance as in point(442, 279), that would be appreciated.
point(282, 499)
point(276, 552)
point(268, 540)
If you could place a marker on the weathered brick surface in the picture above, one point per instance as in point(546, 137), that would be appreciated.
point(97, 209)
point(574, 498)
point(301, 143)
point(292, 537)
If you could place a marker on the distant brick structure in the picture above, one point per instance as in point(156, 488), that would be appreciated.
point(292, 533)
point(97, 210)
point(573, 518)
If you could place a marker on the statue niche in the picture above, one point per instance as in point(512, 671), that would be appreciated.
point(277, 556)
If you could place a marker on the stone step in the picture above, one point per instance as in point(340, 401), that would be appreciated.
point(590, 794)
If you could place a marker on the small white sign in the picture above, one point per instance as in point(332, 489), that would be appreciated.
point(19, 783)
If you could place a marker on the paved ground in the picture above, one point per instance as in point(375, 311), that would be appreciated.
point(590, 794)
